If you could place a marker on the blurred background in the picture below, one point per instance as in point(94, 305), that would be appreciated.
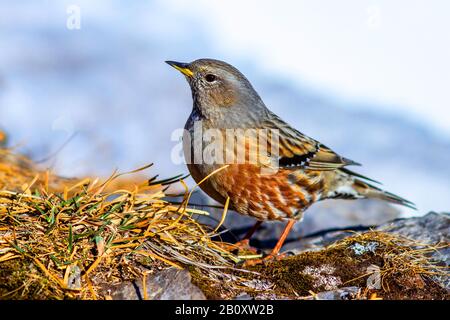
point(368, 78)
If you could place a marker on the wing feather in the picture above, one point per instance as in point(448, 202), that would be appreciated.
point(297, 150)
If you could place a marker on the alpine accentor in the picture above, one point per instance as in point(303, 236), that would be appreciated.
point(307, 171)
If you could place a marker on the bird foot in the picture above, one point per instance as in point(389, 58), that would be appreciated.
point(240, 246)
point(267, 259)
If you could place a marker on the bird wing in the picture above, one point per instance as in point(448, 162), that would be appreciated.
point(297, 150)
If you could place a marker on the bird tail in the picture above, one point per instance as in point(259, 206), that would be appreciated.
point(361, 188)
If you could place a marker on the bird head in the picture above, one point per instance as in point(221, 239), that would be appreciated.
point(218, 88)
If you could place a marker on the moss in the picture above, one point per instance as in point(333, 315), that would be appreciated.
point(404, 271)
point(335, 265)
point(198, 280)
point(210, 289)
point(20, 280)
point(343, 267)
point(288, 276)
point(415, 287)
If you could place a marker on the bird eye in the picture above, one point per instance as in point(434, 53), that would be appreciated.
point(210, 77)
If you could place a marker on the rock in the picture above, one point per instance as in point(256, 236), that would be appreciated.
point(433, 228)
point(315, 242)
point(243, 296)
point(348, 293)
point(429, 229)
point(344, 213)
point(169, 284)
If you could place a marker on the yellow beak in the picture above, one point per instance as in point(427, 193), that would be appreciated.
point(182, 67)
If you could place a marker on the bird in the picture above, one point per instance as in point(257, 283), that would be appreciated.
point(305, 171)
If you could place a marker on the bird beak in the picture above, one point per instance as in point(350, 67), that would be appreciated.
point(182, 67)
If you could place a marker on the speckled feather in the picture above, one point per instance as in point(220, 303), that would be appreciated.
point(284, 195)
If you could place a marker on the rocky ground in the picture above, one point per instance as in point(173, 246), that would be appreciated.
point(87, 245)
point(312, 269)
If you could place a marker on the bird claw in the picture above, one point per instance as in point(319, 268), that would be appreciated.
point(240, 246)
point(267, 259)
point(243, 244)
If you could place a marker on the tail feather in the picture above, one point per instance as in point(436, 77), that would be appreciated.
point(355, 174)
point(351, 185)
point(370, 191)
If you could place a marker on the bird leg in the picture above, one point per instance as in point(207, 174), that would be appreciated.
point(283, 237)
point(274, 253)
point(244, 244)
point(245, 241)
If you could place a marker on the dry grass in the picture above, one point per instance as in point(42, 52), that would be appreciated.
point(58, 226)
point(18, 171)
point(400, 256)
point(65, 238)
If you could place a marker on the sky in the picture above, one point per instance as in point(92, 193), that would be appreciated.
point(393, 53)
